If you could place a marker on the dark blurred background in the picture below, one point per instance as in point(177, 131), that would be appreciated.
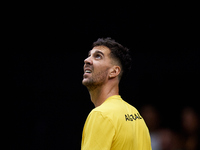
point(48, 104)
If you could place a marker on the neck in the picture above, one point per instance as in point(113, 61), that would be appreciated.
point(101, 93)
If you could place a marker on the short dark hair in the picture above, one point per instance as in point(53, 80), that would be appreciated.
point(118, 51)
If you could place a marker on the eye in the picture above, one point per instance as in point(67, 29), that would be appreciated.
point(98, 56)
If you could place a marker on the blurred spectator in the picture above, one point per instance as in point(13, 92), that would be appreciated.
point(166, 136)
point(170, 140)
point(152, 119)
point(190, 129)
point(161, 138)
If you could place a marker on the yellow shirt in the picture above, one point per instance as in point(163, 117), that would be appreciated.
point(115, 125)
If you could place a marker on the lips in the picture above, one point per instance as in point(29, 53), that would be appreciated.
point(86, 70)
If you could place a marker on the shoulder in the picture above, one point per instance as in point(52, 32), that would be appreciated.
point(115, 104)
point(114, 108)
point(110, 108)
point(97, 117)
point(111, 105)
point(103, 112)
point(98, 113)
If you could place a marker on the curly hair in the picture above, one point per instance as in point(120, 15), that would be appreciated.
point(118, 52)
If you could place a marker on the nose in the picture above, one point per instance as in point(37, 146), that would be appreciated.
point(88, 61)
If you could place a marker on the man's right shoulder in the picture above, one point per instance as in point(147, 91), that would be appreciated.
point(98, 112)
point(95, 111)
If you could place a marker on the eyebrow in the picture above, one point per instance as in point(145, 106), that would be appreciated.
point(97, 51)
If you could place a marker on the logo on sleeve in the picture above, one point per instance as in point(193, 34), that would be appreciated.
point(131, 117)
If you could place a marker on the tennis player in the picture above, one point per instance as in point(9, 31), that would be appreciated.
point(113, 124)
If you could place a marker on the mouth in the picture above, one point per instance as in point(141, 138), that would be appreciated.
point(87, 71)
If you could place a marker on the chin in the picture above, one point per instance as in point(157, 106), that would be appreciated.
point(85, 82)
point(88, 83)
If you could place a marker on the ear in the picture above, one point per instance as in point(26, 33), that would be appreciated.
point(115, 71)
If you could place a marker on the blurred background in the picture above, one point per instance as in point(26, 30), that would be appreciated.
point(48, 104)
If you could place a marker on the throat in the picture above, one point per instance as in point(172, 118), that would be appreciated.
point(99, 95)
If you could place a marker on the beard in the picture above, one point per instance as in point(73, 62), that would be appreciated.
point(95, 80)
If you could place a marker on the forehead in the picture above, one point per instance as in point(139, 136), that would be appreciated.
point(103, 49)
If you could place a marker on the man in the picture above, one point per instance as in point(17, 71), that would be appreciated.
point(113, 124)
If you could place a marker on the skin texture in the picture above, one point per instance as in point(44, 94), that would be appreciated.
point(101, 73)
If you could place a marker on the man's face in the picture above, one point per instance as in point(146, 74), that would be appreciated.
point(96, 68)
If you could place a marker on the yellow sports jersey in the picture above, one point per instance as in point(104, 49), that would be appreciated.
point(115, 125)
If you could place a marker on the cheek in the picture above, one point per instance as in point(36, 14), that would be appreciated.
point(101, 68)
point(101, 73)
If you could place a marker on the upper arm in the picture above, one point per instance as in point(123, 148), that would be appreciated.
point(98, 132)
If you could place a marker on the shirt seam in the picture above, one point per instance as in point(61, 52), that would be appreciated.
point(104, 116)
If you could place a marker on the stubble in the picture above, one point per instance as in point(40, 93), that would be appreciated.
point(96, 80)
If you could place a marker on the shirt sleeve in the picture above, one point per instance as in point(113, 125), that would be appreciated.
point(98, 132)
